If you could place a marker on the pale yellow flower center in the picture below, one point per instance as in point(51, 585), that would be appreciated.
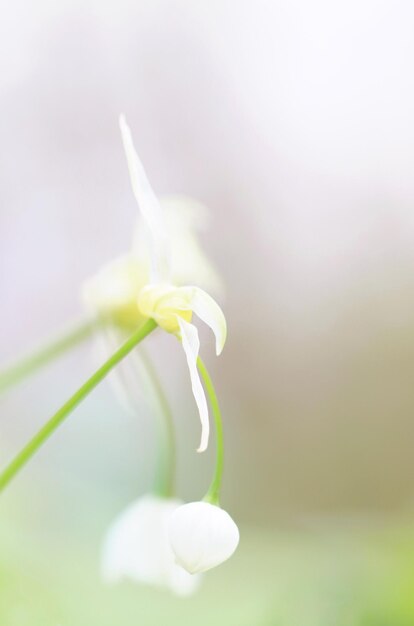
point(164, 304)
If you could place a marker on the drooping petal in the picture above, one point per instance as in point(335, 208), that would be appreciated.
point(191, 346)
point(207, 309)
point(150, 209)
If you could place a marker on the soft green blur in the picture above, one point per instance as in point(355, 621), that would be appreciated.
point(300, 571)
point(348, 574)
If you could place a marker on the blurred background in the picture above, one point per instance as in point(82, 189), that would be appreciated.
point(292, 121)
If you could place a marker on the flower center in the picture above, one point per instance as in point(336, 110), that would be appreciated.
point(165, 304)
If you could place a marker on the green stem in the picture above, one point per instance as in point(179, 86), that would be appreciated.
point(165, 477)
point(46, 431)
point(21, 369)
point(213, 492)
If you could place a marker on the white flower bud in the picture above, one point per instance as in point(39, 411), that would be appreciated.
point(202, 536)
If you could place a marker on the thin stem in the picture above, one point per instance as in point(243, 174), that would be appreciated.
point(44, 433)
point(18, 371)
point(165, 477)
point(213, 492)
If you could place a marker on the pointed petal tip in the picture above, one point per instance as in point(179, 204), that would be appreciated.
point(220, 346)
point(125, 130)
point(221, 340)
point(205, 436)
point(207, 309)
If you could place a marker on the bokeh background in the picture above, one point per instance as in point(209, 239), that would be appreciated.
point(293, 122)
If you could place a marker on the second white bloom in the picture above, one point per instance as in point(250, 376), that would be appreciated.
point(137, 547)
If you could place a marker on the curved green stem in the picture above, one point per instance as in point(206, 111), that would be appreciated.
point(18, 371)
point(165, 477)
point(46, 431)
point(213, 492)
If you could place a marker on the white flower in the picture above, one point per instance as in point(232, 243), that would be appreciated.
point(170, 306)
point(202, 536)
point(149, 280)
point(137, 547)
point(113, 292)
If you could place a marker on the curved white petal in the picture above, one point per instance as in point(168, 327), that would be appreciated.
point(191, 345)
point(207, 309)
point(202, 536)
point(150, 208)
point(137, 547)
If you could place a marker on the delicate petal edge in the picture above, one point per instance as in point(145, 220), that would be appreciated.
point(207, 309)
point(149, 206)
point(191, 346)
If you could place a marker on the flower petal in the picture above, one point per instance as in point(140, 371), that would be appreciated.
point(113, 291)
point(185, 218)
point(137, 547)
point(191, 345)
point(207, 309)
point(150, 208)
